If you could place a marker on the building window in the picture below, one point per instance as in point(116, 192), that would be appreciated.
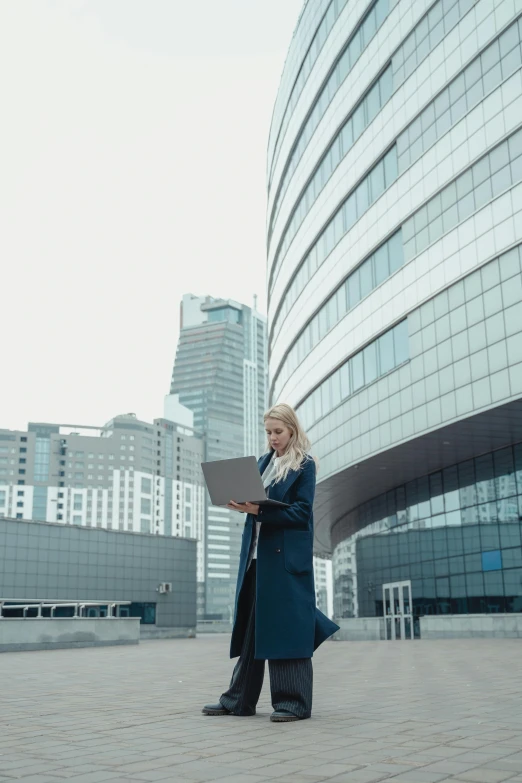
point(492, 561)
point(387, 352)
point(19, 516)
point(20, 504)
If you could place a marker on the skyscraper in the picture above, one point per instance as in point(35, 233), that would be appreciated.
point(220, 374)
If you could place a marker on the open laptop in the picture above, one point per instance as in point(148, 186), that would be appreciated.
point(236, 479)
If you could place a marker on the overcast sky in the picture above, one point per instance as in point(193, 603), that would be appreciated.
point(132, 171)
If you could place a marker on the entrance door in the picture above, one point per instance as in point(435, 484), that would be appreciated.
point(398, 618)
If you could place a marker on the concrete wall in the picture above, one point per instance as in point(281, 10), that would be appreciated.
point(359, 629)
point(456, 626)
point(47, 634)
point(148, 632)
point(40, 560)
point(213, 626)
point(463, 626)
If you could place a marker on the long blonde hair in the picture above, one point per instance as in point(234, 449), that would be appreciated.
point(298, 446)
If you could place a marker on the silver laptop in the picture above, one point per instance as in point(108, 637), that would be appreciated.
point(236, 479)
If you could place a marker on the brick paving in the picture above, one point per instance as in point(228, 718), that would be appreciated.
point(422, 712)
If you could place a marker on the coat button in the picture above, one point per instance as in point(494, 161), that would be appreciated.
point(278, 550)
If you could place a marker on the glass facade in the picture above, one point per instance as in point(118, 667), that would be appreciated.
point(496, 63)
point(346, 216)
point(493, 174)
point(358, 41)
point(395, 302)
point(456, 534)
point(321, 34)
point(371, 273)
point(440, 19)
point(378, 358)
point(348, 135)
point(42, 454)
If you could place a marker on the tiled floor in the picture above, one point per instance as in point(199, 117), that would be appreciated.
point(404, 711)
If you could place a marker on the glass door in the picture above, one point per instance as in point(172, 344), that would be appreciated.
point(398, 618)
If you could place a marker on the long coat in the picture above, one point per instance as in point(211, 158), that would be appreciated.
point(288, 624)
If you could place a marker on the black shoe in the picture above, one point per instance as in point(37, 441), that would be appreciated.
point(283, 716)
point(215, 709)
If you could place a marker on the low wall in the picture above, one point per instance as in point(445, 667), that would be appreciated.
point(164, 632)
point(214, 627)
point(359, 629)
point(19, 634)
point(465, 626)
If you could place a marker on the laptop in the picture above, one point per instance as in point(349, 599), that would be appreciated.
point(236, 479)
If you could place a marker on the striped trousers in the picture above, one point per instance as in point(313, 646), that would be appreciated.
point(291, 680)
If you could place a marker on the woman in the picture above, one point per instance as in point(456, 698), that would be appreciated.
point(275, 616)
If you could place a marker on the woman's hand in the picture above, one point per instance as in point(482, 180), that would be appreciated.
point(245, 508)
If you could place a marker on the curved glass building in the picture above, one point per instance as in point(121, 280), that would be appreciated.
point(395, 294)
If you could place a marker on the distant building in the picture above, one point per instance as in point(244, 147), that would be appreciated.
point(220, 374)
point(323, 585)
point(48, 561)
point(128, 475)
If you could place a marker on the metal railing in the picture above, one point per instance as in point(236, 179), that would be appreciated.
point(45, 609)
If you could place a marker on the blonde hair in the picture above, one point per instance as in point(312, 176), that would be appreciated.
point(298, 446)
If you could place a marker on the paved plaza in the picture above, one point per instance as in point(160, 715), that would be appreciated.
point(404, 711)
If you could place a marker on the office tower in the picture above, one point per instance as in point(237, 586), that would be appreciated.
point(220, 375)
point(395, 295)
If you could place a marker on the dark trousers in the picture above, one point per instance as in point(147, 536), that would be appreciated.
point(291, 680)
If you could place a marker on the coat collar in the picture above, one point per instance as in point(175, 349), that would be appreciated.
point(278, 490)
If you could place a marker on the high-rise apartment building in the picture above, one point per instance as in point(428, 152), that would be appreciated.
point(395, 296)
point(127, 475)
point(220, 374)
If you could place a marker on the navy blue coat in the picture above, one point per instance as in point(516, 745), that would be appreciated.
point(288, 624)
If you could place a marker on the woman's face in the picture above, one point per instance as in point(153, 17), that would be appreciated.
point(278, 435)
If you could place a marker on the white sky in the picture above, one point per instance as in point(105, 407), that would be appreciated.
point(132, 171)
